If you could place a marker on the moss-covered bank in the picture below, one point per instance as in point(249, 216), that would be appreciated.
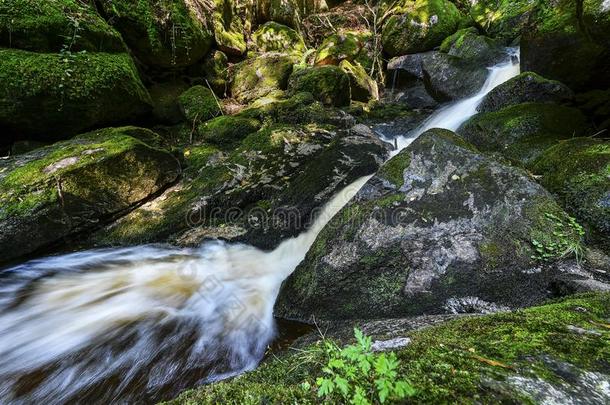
point(510, 357)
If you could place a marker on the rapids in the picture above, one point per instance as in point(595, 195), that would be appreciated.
point(143, 323)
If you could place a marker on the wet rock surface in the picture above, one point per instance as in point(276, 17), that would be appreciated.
point(438, 221)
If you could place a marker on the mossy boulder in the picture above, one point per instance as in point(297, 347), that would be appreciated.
point(528, 87)
point(166, 108)
point(363, 87)
point(554, 353)
point(328, 84)
point(439, 221)
point(299, 109)
point(578, 172)
point(50, 26)
point(76, 185)
point(66, 95)
point(524, 131)
point(468, 44)
point(419, 26)
point(288, 12)
point(229, 28)
point(346, 46)
point(569, 41)
point(227, 131)
point(503, 19)
point(264, 189)
point(274, 37)
point(450, 78)
point(167, 34)
point(213, 71)
point(199, 104)
point(259, 76)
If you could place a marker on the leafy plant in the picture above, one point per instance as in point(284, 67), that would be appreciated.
point(356, 375)
point(565, 241)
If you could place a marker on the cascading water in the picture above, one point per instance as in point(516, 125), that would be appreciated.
point(455, 114)
point(143, 323)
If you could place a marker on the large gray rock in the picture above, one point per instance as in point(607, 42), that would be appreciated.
point(528, 87)
point(450, 78)
point(438, 222)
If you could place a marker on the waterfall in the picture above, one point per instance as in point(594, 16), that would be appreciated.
point(143, 323)
point(455, 114)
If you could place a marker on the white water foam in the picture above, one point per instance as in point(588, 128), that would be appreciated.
point(145, 322)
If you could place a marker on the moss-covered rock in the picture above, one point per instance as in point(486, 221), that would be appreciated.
point(50, 26)
point(261, 191)
point(568, 41)
point(300, 109)
point(578, 171)
point(227, 131)
point(439, 221)
point(274, 37)
point(166, 109)
point(72, 186)
point(48, 96)
point(419, 26)
point(468, 44)
point(229, 28)
point(328, 84)
point(213, 71)
point(259, 76)
point(288, 12)
point(553, 353)
point(503, 19)
point(363, 88)
point(199, 104)
point(528, 87)
point(173, 33)
point(522, 132)
point(347, 46)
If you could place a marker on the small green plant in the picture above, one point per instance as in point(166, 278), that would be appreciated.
point(565, 241)
point(356, 375)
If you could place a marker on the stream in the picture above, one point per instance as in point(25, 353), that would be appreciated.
point(144, 323)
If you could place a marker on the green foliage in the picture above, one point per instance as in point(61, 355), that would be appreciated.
point(357, 375)
point(566, 240)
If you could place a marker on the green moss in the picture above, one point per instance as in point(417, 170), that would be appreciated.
point(257, 77)
point(350, 46)
point(227, 131)
point(67, 94)
point(228, 28)
point(165, 101)
point(49, 26)
point(522, 132)
point(578, 171)
point(413, 28)
point(328, 84)
point(447, 363)
point(274, 37)
point(161, 33)
point(504, 19)
point(393, 170)
point(362, 86)
point(199, 104)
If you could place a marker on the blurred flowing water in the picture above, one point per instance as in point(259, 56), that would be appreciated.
point(143, 323)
